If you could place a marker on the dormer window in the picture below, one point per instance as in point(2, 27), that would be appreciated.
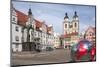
point(40, 28)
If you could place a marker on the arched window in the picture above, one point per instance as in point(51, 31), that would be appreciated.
point(75, 25)
point(65, 25)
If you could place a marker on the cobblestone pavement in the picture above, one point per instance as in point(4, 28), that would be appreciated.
point(55, 56)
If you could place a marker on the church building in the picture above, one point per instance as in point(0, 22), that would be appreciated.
point(70, 30)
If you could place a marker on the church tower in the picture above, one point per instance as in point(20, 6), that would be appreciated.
point(75, 23)
point(30, 18)
point(66, 24)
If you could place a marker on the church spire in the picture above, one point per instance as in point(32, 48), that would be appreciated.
point(66, 16)
point(75, 14)
point(29, 12)
point(30, 17)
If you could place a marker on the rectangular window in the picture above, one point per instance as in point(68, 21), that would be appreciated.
point(13, 19)
point(17, 38)
point(35, 34)
point(41, 35)
point(17, 45)
point(16, 28)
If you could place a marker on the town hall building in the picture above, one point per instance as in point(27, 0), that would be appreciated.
point(28, 33)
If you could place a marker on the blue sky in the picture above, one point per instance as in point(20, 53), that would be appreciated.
point(54, 13)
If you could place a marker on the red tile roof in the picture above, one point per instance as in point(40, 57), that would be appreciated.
point(38, 23)
point(64, 36)
point(75, 33)
point(22, 18)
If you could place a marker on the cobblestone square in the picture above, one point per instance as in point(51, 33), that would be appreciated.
point(55, 56)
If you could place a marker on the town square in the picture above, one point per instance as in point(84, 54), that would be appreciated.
point(46, 33)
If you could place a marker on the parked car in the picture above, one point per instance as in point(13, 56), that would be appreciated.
point(83, 51)
point(49, 49)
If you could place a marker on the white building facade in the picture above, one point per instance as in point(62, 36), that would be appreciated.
point(16, 32)
point(29, 34)
point(57, 43)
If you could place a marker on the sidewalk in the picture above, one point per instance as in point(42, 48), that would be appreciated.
point(29, 54)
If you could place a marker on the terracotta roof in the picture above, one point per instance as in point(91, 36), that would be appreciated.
point(64, 36)
point(22, 18)
point(75, 33)
point(38, 23)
